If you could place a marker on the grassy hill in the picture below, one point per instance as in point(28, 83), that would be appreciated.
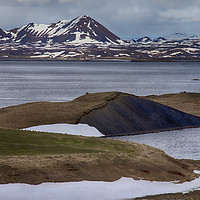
point(18, 142)
point(35, 157)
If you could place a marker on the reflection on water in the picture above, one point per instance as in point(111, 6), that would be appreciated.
point(27, 81)
point(178, 144)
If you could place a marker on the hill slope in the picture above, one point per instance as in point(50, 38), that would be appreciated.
point(29, 157)
point(186, 102)
point(112, 113)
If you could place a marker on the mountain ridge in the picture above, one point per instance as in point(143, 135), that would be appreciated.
point(79, 30)
point(83, 38)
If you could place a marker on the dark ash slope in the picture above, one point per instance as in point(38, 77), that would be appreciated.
point(130, 114)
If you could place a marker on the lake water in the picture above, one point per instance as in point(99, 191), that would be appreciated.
point(27, 81)
point(178, 144)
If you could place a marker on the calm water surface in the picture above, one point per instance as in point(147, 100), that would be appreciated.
point(27, 81)
point(178, 144)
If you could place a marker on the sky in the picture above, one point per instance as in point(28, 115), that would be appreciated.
point(126, 18)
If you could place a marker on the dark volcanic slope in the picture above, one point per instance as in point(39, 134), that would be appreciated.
point(130, 114)
point(112, 113)
point(183, 101)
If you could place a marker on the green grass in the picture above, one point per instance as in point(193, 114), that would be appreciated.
point(18, 142)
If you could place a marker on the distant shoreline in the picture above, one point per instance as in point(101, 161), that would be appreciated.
point(101, 60)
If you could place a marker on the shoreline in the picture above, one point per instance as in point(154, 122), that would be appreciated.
point(153, 131)
point(103, 60)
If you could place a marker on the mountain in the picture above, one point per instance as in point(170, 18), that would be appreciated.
point(83, 38)
point(144, 40)
point(5, 36)
point(159, 39)
point(80, 30)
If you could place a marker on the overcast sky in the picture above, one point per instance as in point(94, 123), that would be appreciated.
point(125, 18)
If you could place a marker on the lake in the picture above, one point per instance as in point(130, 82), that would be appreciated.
point(28, 81)
point(182, 144)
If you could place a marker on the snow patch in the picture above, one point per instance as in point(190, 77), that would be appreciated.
point(175, 53)
point(123, 188)
point(196, 172)
point(40, 56)
point(73, 129)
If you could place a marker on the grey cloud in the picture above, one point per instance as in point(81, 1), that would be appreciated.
point(193, 14)
point(128, 18)
point(33, 1)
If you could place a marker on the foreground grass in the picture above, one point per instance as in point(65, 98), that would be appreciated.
point(18, 142)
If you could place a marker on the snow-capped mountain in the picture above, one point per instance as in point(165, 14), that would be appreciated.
point(144, 40)
point(80, 30)
point(159, 39)
point(5, 36)
point(83, 38)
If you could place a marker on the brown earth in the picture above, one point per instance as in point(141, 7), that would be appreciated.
point(41, 113)
point(146, 163)
point(185, 102)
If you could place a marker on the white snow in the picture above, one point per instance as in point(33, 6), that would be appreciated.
point(49, 54)
point(167, 56)
point(190, 50)
point(121, 42)
point(87, 39)
point(124, 188)
point(72, 54)
point(56, 54)
point(73, 129)
point(40, 28)
point(40, 56)
point(124, 54)
point(94, 33)
point(4, 39)
point(37, 53)
point(175, 53)
point(196, 172)
point(152, 52)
